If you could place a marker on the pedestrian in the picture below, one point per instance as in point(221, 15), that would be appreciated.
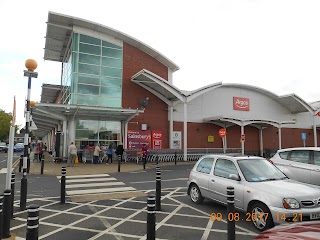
point(96, 153)
point(109, 153)
point(120, 150)
point(38, 150)
point(145, 151)
point(72, 154)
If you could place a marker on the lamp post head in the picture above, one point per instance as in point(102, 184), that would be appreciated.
point(32, 103)
point(31, 65)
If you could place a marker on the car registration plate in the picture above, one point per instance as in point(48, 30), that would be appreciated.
point(315, 215)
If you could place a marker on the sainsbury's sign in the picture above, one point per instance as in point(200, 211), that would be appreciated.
point(241, 104)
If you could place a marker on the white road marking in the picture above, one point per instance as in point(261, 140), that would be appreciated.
point(86, 176)
point(103, 190)
point(89, 180)
point(166, 180)
point(94, 185)
point(3, 170)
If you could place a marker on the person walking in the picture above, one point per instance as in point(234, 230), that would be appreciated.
point(96, 153)
point(72, 154)
point(120, 150)
point(109, 153)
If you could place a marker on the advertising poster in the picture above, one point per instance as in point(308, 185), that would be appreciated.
point(136, 139)
point(176, 138)
point(156, 139)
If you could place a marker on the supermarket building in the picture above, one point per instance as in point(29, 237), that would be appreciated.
point(114, 87)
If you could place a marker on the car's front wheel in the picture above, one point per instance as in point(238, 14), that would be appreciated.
point(261, 216)
point(195, 194)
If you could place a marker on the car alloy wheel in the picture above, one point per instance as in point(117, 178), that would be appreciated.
point(261, 217)
point(195, 194)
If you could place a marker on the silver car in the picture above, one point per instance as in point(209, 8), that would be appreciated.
point(301, 164)
point(261, 190)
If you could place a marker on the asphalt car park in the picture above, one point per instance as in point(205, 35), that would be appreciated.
point(125, 217)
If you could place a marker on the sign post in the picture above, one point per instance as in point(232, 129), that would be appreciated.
point(223, 135)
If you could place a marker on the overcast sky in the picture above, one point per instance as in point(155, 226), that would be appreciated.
point(271, 44)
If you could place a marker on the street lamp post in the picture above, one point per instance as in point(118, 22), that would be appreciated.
point(31, 65)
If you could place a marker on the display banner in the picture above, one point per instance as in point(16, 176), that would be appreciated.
point(156, 139)
point(136, 139)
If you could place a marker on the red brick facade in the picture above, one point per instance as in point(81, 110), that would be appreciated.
point(155, 114)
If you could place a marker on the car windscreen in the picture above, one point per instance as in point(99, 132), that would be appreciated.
point(258, 170)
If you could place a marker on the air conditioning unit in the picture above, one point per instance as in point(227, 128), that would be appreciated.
point(143, 126)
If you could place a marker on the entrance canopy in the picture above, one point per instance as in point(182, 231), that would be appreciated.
point(49, 115)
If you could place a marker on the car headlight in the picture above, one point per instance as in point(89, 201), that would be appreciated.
point(290, 203)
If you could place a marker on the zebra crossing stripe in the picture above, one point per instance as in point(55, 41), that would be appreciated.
point(89, 180)
point(86, 176)
point(103, 190)
point(94, 185)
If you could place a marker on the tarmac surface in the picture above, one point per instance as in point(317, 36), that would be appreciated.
point(100, 204)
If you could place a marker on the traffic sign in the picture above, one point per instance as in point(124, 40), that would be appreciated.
point(222, 132)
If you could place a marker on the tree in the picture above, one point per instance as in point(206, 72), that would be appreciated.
point(5, 123)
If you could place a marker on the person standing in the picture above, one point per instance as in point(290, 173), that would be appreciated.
point(96, 153)
point(72, 154)
point(120, 150)
point(109, 153)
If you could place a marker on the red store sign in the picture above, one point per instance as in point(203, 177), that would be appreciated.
point(241, 104)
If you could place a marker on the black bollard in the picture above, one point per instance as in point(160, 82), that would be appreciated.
point(23, 191)
point(20, 162)
point(13, 179)
point(151, 218)
point(63, 185)
point(158, 190)
point(42, 165)
point(28, 163)
point(33, 222)
point(157, 160)
point(230, 211)
point(119, 162)
point(6, 213)
point(175, 158)
point(144, 161)
point(1, 216)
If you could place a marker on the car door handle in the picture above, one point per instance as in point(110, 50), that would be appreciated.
point(212, 180)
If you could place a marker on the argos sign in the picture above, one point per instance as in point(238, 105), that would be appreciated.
point(242, 104)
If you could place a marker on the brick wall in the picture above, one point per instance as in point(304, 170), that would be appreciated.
point(156, 113)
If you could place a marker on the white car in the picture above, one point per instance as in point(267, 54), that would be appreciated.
point(260, 189)
point(301, 164)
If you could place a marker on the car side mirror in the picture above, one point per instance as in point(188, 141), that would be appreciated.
point(235, 177)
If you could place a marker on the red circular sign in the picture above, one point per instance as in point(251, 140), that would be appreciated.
point(318, 114)
point(222, 132)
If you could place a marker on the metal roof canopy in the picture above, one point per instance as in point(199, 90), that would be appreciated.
point(50, 93)
point(48, 115)
point(224, 121)
point(59, 32)
point(164, 90)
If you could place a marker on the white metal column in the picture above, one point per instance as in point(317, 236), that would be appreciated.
point(171, 126)
point(65, 145)
point(185, 129)
point(242, 142)
point(71, 130)
point(279, 131)
point(315, 139)
point(261, 141)
point(125, 135)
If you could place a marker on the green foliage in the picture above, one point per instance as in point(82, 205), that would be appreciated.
point(5, 123)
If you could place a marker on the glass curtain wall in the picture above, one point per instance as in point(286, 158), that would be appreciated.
point(91, 132)
point(96, 76)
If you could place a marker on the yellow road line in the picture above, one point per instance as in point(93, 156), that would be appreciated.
point(16, 163)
